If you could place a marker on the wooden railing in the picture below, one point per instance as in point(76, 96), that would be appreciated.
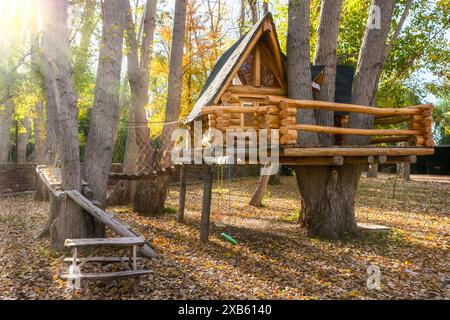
point(418, 118)
point(281, 113)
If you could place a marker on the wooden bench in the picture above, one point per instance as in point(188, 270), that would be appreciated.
point(77, 262)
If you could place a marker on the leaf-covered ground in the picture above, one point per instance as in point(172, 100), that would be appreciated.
point(273, 260)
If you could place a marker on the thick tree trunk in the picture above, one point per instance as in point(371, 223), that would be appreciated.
point(71, 221)
point(339, 219)
point(372, 172)
point(22, 141)
point(6, 112)
point(326, 196)
point(172, 108)
point(106, 111)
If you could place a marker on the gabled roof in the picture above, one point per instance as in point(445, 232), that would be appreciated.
point(226, 65)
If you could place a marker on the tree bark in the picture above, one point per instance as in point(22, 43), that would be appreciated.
point(71, 221)
point(106, 111)
point(6, 112)
point(261, 189)
point(49, 38)
point(172, 111)
point(328, 195)
point(82, 51)
point(254, 10)
point(325, 54)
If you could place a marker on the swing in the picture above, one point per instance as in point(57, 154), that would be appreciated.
point(227, 235)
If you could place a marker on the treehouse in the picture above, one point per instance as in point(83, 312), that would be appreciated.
point(247, 89)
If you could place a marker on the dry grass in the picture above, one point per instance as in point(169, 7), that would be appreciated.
point(274, 259)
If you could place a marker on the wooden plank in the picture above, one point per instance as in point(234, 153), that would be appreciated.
point(229, 109)
point(107, 275)
point(333, 106)
point(104, 242)
point(313, 161)
point(353, 131)
point(356, 151)
point(257, 90)
point(101, 259)
point(108, 220)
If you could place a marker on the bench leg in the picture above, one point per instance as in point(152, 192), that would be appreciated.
point(134, 257)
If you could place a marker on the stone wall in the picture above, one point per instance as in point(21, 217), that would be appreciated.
point(17, 177)
point(22, 177)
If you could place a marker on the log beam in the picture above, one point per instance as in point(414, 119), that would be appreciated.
point(352, 131)
point(359, 151)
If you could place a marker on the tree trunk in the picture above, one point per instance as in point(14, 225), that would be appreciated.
point(328, 209)
point(138, 148)
point(265, 6)
point(6, 112)
point(372, 172)
point(325, 54)
point(261, 189)
point(172, 114)
point(82, 51)
point(326, 197)
point(242, 19)
point(71, 221)
point(22, 142)
point(254, 10)
point(51, 111)
point(106, 111)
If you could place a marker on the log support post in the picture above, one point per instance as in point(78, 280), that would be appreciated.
point(206, 204)
point(182, 196)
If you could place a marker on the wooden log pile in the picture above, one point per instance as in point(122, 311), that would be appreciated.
point(288, 117)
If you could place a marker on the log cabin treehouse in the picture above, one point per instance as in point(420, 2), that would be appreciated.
point(247, 89)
